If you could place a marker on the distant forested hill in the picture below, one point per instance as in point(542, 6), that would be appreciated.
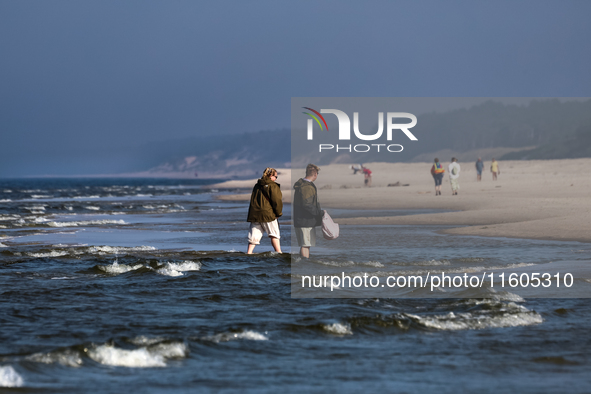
point(240, 155)
point(577, 144)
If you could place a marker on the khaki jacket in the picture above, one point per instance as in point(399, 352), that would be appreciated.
point(265, 202)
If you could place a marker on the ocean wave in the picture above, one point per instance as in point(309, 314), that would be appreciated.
point(431, 262)
point(167, 271)
point(117, 268)
point(6, 200)
point(512, 316)
point(9, 377)
point(53, 253)
point(68, 358)
point(177, 269)
point(116, 249)
point(376, 264)
point(92, 208)
point(338, 328)
point(35, 208)
point(145, 357)
point(2, 245)
point(84, 223)
point(336, 263)
point(233, 336)
point(471, 260)
point(144, 340)
point(9, 217)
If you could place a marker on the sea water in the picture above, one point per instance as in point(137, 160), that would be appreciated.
point(109, 285)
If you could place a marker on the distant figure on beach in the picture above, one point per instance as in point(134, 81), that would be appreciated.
point(494, 168)
point(479, 168)
point(454, 175)
point(356, 168)
point(437, 172)
point(266, 206)
point(367, 175)
point(307, 214)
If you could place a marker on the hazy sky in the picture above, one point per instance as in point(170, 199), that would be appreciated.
point(119, 73)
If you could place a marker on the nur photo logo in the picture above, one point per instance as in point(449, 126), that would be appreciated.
point(344, 130)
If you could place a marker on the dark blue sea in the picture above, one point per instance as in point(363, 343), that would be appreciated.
point(142, 285)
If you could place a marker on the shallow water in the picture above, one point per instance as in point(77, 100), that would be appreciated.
point(153, 291)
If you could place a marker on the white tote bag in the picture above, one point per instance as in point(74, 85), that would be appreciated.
point(330, 229)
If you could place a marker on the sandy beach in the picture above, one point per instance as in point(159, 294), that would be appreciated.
point(544, 199)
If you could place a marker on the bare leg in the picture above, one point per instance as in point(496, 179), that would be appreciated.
point(305, 252)
point(276, 244)
point(250, 248)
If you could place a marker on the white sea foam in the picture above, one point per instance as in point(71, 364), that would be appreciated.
point(69, 358)
point(84, 223)
point(376, 264)
point(39, 196)
point(117, 268)
point(177, 269)
point(144, 340)
point(476, 321)
point(9, 377)
point(6, 200)
point(80, 197)
point(53, 253)
point(154, 356)
point(232, 336)
point(118, 249)
point(186, 265)
point(338, 328)
point(90, 207)
point(9, 217)
point(2, 245)
point(167, 271)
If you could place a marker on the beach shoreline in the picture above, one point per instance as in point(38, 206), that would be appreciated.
point(538, 199)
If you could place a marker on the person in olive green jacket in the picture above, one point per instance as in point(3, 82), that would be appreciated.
point(266, 206)
point(307, 213)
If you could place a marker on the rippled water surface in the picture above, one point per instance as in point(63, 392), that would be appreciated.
point(142, 285)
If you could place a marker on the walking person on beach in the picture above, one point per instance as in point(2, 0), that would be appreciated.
point(307, 214)
point(494, 168)
point(479, 168)
point(356, 168)
point(437, 172)
point(454, 175)
point(367, 175)
point(266, 206)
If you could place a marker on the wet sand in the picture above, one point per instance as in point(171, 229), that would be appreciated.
point(540, 199)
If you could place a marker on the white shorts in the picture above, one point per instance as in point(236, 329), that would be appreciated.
point(255, 232)
point(306, 236)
